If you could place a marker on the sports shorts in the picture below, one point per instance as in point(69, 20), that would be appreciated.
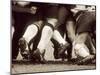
point(86, 22)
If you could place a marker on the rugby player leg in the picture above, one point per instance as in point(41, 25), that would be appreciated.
point(63, 45)
point(26, 42)
point(46, 35)
point(62, 16)
point(70, 30)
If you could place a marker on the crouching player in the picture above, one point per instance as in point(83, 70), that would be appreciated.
point(86, 24)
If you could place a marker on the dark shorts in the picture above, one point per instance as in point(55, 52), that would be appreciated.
point(22, 20)
point(86, 22)
point(64, 15)
point(50, 11)
point(34, 19)
point(30, 18)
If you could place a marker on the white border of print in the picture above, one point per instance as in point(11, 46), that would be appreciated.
point(5, 37)
point(89, 2)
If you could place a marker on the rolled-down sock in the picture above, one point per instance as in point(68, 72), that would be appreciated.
point(30, 32)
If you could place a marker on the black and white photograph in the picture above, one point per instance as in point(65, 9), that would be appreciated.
point(52, 37)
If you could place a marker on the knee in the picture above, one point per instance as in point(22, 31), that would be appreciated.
point(81, 50)
point(52, 21)
point(39, 24)
point(47, 29)
point(32, 27)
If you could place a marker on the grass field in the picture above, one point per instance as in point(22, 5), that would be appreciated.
point(20, 66)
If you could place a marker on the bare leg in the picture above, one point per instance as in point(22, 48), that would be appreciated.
point(70, 27)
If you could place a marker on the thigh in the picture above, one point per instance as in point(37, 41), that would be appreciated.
point(81, 38)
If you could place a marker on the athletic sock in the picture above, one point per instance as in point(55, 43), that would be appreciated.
point(30, 32)
point(47, 33)
point(57, 36)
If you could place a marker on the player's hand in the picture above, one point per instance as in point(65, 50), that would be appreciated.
point(33, 10)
